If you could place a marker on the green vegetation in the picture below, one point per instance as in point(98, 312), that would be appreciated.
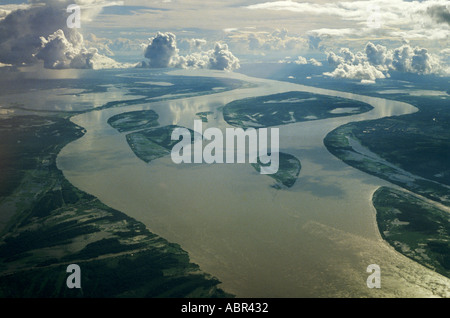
point(134, 120)
point(414, 227)
point(145, 273)
point(413, 150)
point(26, 142)
point(53, 224)
point(286, 108)
point(288, 171)
point(204, 116)
point(420, 147)
point(153, 143)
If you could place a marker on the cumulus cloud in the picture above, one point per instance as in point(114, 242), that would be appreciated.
point(20, 32)
point(364, 72)
point(376, 61)
point(334, 59)
point(416, 60)
point(39, 32)
point(377, 54)
point(300, 61)
point(314, 62)
point(58, 52)
point(162, 52)
point(346, 57)
point(222, 59)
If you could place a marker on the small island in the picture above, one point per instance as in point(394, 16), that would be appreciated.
point(288, 171)
point(288, 108)
point(154, 143)
point(134, 120)
point(204, 116)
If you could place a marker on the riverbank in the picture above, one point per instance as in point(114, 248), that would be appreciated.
point(318, 236)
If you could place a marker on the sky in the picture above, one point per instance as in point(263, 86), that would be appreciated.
point(360, 39)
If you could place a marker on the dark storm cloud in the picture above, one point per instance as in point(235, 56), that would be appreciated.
point(21, 30)
point(40, 32)
point(440, 12)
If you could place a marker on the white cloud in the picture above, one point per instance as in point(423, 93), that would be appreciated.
point(388, 18)
point(4, 65)
point(416, 60)
point(377, 54)
point(377, 61)
point(162, 52)
point(385, 10)
point(333, 32)
point(110, 47)
point(367, 81)
point(363, 71)
point(307, 8)
point(300, 61)
point(314, 62)
point(196, 60)
point(278, 40)
point(58, 52)
point(221, 58)
point(334, 59)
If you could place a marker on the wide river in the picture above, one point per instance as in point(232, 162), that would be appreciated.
point(315, 239)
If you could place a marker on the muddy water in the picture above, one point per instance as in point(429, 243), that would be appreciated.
point(315, 239)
